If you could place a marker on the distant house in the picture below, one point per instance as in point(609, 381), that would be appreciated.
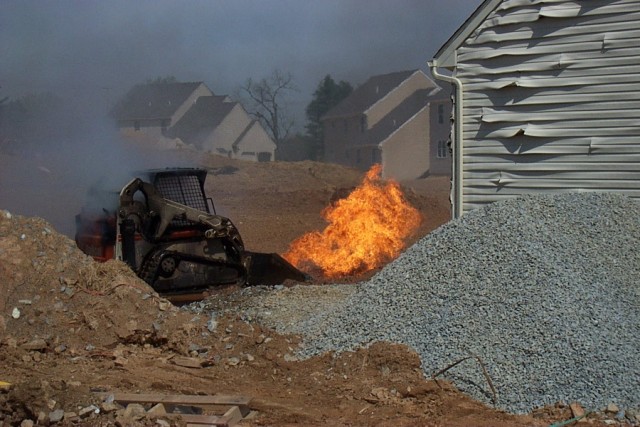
point(191, 113)
point(547, 97)
point(218, 125)
point(400, 120)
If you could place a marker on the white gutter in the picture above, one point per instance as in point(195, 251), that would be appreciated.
point(458, 140)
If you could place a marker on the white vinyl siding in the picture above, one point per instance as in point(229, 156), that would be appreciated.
point(551, 99)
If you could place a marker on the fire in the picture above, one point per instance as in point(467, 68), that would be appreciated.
point(364, 231)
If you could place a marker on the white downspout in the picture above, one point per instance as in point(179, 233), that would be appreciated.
point(458, 140)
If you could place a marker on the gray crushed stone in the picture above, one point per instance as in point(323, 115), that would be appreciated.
point(544, 289)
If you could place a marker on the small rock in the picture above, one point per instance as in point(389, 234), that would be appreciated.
point(35, 345)
point(15, 313)
point(163, 305)
point(195, 347)
point(290, 358)
point(187, 362)
point(85, 412)
point(42, 418)
point(576, 409)
point(633, 414)
point(26, 423)
point(162, 423)
point(613, 408)
point(51, 404)
point(157, 411)
point(233, 361)
point(60, 349)
point(260, 339)
point(212, 324)
point(70, 415)
point(249, 358)
point(56, 416)
point(134, 411)
point(25, 301)
point(132, 325)
point(108, 407)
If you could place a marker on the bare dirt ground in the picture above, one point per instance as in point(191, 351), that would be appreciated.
point(70, 327)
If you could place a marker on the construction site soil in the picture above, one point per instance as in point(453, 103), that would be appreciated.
point(71, 327)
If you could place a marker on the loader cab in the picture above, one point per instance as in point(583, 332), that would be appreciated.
point(182, 185)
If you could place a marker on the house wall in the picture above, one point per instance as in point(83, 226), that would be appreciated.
point(405, 153)
point(256, 145)
point(150, 128)
point(439, 134)
point(154, 128)
point(339, 136)
point(417, 80)
point(551, 97)
point(221, 140)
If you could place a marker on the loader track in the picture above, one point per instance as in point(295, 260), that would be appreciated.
point(150, 270)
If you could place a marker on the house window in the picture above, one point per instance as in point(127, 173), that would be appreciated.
point(440, 113)
point(136, 125)
point(442, 149)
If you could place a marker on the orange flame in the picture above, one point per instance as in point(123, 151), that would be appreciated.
point(365, 230)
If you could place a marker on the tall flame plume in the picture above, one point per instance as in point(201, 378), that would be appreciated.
point(365, 230)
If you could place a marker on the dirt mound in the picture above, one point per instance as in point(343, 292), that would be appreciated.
point(70, 326)
point(57, 296)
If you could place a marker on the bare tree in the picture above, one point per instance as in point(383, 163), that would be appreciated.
point(267, 103)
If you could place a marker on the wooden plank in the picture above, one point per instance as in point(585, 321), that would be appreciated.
point(179, 399)
point(239, 406)
point(229, 419)
point(188, 362)
point(202, 420)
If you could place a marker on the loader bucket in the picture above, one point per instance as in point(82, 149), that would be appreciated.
point(270, 269)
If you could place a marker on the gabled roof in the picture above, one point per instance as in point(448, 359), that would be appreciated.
point(201, 119)
point(153, 101)
point(446, 55)
point(366, 95)
point(402, 114)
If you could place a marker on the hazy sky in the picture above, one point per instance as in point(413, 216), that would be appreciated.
point(97, 49)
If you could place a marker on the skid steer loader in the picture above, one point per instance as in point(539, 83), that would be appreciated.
point(167, 231)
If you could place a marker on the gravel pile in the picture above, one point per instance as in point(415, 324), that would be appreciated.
point(544, 289)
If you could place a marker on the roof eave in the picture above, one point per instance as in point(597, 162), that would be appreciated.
point(446, 56)
point(368, 109)
point(388, 137)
